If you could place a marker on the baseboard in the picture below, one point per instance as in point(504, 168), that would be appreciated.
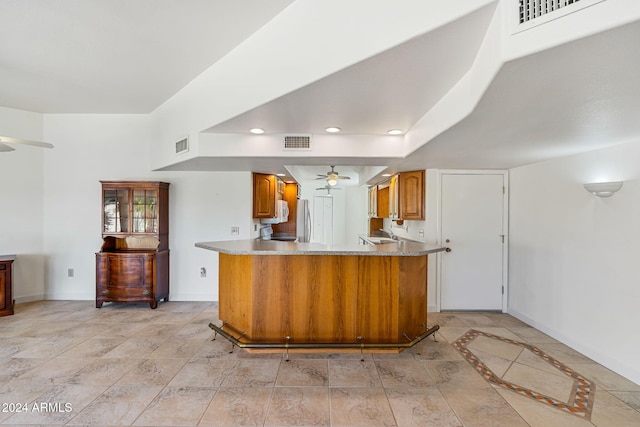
point(191, 297)
point(629, 372)
point(70, 297)
point(30, 298)
point(432, 309)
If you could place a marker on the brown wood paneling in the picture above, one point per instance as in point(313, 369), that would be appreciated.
point(323, 298)
point(412, 293)
point(377, 298)
point(235, 289)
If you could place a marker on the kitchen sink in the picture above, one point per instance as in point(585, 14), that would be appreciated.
point(381, 240)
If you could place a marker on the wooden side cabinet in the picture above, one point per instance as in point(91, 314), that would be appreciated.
point(133, 263)
point(6, 296)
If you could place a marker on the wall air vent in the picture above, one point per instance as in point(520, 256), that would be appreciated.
point(297, 142)
point(182, 146)
point(530, 9)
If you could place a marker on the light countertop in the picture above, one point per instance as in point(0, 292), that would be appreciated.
point(273, 247)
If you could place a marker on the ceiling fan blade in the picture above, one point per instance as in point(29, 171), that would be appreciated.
point(5, 147)
point(343, 177)
point(24, 141)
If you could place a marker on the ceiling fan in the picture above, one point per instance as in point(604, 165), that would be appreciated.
point(332, 176)
point(328, 187)
point(7, 139)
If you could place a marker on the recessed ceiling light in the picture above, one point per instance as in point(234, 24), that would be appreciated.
point(257, 131)
point(332, 129)
point(394, 132)
point(280, 174)
point(386, 174)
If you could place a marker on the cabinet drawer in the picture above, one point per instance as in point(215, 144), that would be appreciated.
point(125, 292)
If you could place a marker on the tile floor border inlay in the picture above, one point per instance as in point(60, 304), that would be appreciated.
point(583, 393)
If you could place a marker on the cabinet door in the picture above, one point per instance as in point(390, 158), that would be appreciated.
point(373, 202)
point(145, 211)
point(264, 196)
point(127, 271)
point(115, 210)
point(383, 202)
point(411, 195)
point(394, 198)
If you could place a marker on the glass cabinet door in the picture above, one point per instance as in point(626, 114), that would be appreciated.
point(145, 211)
point(116, 211)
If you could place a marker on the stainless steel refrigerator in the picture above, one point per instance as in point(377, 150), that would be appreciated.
point(303, 221)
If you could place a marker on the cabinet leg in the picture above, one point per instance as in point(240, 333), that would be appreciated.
point(99, 304)
point(153, 304)
point(166, 299)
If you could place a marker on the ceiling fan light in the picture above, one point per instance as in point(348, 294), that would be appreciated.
point(332, 181)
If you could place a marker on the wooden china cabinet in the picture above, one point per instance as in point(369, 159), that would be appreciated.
point(133, 263)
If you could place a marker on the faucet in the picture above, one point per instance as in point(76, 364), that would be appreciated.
point(390, 233)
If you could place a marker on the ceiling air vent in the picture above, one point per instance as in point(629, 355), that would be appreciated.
point(182, 146)
point(297, 142)
point(530, 9)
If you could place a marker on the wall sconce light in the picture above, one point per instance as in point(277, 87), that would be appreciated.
point(603, 189)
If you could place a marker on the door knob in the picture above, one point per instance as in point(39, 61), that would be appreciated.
point(448, 250)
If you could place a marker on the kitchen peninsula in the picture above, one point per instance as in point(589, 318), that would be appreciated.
point(285, 295)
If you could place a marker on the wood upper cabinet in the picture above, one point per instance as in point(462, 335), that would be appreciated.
point(401, 197)
point(394, 198)
point(383, 201)
point(133, 263)
point(266, 189)
point(411, 186)
point(373, 202)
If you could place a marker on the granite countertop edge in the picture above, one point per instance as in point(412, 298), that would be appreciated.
point(265, 247)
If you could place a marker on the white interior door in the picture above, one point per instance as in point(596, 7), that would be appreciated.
point(472, 226)
point(323, 220)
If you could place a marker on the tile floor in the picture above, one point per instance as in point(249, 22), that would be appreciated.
point(68, 363)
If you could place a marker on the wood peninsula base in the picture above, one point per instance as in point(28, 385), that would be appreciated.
point(324, 300)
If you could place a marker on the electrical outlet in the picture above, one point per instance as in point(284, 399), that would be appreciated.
point(70, 272)
point(203, 272)
point(235, 230)
point(255, 227)
point(421, 233)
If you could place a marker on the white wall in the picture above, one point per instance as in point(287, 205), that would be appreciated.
point(90, 148)
point(21, 203)
point(573, 268)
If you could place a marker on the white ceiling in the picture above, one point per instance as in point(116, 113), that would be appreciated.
point(115, 56)
point(391, 90)
point(119, 56)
